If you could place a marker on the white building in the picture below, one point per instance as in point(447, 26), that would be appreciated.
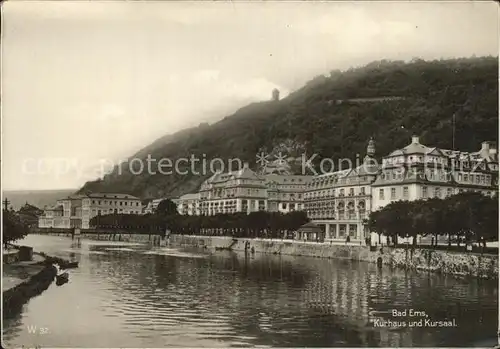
point(246, 191)
point(189, 204)
point(340, 202)
point(76, 211)
point(236, 191)
point(285, 193)
point(419, 172)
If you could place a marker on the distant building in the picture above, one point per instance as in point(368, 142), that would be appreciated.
point(189, 204)
point(76, 211)
point(153, 204)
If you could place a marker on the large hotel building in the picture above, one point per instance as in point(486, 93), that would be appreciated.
point(76, 211)
point(340, 202)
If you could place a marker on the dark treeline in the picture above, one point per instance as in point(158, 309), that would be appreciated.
point(255, 224)
point(469, 217)
point(14, 228)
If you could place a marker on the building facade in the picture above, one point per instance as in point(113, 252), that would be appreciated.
point(189, 204)
point(246, 191)
point(419, 172)
point(340, 202)
point(76, 211)
point(236, 191)
point(285, 193)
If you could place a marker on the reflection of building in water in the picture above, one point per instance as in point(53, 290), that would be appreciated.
point(352, 295)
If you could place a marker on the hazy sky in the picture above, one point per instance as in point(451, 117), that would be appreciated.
point(84, 81)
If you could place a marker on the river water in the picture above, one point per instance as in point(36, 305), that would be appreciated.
point(132, 296)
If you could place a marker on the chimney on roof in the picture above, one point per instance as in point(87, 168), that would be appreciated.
point(485, 146)
point(245, 165)
point(415, 140)
point(485, 150)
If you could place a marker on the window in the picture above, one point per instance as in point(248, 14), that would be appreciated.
point(437, 192)
point(424, 192)
point(351, 192)
point(381, 194)
point(393, 193)
point(405, 192)
point(362, 190)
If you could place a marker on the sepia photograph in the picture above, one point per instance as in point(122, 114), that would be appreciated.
point(281, 174)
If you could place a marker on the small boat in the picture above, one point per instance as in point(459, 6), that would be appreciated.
point(70, 265)
point(61, 279)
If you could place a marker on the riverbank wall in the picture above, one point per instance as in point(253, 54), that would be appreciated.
point(16, 297)
point(9, 257)
point(117, 237)
point(439, 261)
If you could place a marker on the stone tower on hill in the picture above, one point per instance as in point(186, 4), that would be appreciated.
point(276, 95)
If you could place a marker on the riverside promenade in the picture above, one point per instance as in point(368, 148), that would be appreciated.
point(26, 274)
point(18, 272)
point(461, 264)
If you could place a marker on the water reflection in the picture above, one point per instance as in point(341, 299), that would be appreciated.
point(128, 298)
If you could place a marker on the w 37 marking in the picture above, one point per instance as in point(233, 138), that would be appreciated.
point(37, 330)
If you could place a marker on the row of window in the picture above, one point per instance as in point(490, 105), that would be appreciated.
point(438, 192)
point(340, 205)
point(335, 215)
point(110, 211)
point(329, 181)
point(114, 202)
point(333, 192)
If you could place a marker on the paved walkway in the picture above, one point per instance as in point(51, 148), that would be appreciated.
point(16, 273)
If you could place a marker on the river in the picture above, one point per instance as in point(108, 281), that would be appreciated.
point(132, 296)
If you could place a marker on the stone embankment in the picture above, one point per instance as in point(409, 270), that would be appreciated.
point(455, 263)
point(117, 237)
point(38, 267)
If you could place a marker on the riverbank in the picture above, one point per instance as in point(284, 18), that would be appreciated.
point(438, 261)
point(15, 297)
point(155, 240)
point(25, 277)
point(484, 266)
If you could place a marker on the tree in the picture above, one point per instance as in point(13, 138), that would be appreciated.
point(29, 215)
point(13, 228)
point(166, 208)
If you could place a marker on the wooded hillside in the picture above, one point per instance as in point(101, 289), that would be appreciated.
point(335, 115)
